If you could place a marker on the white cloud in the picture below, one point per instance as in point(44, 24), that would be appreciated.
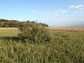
point(76, 6)
point(61, 11)
point(56, 12)
point(34, 11)
point(49, 13)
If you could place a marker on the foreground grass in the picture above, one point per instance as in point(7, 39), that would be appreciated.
point(68, 47)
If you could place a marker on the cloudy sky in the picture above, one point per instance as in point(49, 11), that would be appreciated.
point(52, 12)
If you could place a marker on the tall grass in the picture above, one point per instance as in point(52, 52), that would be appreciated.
point(68, 47)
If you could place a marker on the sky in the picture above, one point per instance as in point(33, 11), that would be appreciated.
point(51, 12)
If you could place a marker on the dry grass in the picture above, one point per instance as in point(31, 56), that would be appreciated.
point(67, 28)
point(54, 28)
point(8, 28)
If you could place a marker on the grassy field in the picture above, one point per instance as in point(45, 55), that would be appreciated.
point(67, 47)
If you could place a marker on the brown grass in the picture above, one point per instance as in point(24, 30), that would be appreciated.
point(8, 28)
point(67, 28)
point(54, 28)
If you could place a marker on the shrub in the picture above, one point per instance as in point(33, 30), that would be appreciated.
point(35, 34)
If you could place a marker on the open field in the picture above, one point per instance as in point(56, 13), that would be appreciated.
point(67, 28)
point(54, 28)
point(68, 47)
point(8, 28)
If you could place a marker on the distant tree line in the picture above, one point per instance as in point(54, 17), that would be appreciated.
point(15, 23)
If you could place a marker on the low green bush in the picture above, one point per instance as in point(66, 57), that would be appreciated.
point(35, 34)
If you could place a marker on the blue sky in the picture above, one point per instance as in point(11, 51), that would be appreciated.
point(52, 12)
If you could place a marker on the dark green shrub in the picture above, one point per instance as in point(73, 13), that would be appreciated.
point(15, 23)
point(35, 34)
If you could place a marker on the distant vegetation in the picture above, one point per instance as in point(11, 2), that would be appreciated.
point(15, 23)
